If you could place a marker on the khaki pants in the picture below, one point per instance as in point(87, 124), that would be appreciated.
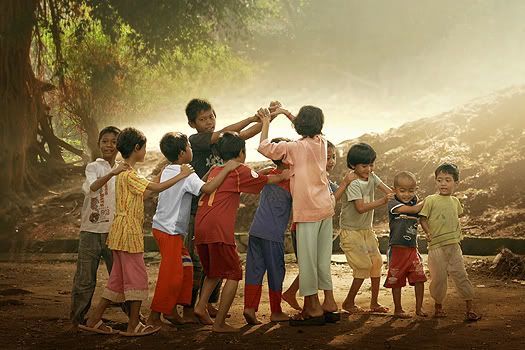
point(448, 261)
point(361, 248)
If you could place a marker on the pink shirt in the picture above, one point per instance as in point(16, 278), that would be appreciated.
point(308, 177)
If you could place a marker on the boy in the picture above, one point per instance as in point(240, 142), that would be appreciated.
point(97, 214)
point(404, 261)
point(215, 225)
point(266, 247)
point(440, 221)
point(357, 239)
point(128, 280)
point(201, 117)
point(170, 225)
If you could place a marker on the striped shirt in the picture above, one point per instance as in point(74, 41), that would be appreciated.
point(126, 231)
point(443, 214)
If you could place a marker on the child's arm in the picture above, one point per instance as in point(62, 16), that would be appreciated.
point(349, 177)
point(101, 181)
point(384, 188)
point(409, 209)
point(424, 225)
point(185, 171)
point(212, 185)
point(273, 179)
point(361, 207)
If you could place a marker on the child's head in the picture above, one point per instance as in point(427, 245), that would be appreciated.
point(279, 162)
point(201, 115)
point(447, 177)
point(309, 121)
point(107, 142)
point(331, 159)
point(405, 186)
point(230, 146)
point(361, 158)
point(132, 143)
point(176, 148)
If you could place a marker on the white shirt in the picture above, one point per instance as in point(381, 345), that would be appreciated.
point(174, 204)
point(98, 209)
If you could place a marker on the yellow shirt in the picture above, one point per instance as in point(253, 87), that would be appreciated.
point(126, 231)
point(442, 213)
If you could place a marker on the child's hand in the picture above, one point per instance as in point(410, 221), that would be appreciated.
point(265, 171)
point(186, 170)
point(286, 174)
point(231, 165)
point(388, 197)
point(120, 168)
point(349, 177)
point(274, 105)
point(264, 115)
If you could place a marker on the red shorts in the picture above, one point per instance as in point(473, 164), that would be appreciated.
point(220, 260)
point(404, 263)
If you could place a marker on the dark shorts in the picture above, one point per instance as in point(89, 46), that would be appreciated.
point(220, 260)
point(404, 263)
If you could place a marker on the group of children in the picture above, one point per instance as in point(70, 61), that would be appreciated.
point(199, 195)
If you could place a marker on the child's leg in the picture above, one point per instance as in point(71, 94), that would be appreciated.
point(135, 278)
point(349, 302)
point(437, 266)
point(396, 296)
point(255, 269)
point(375, 270)
point(307, 233)
point(85, 280)
point(134, 313)
point(290, 295)
point(197, 270)
point(200, 309)
point(419, 288)
point(459, 275)
point(274, 261)
point(324, 259)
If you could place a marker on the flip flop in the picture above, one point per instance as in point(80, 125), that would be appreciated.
point(141, 330)
point(96, 328)
point(471, 316)
point(302, 320)
point(332, 317)
point(379, 309)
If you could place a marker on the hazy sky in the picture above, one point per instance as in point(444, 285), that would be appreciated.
point(374, 65)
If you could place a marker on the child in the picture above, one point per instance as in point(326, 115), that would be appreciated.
point(215, 225)
point(128, 280)
point(201, 117)
point(266, 247)
point(97, 214)
point(290, 295)
point(312, 206)
point(170, 225)
point(404, 260)
point(439, 219)
point(357, 239)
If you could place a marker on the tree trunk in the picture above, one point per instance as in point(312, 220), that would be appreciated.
point(19, 99)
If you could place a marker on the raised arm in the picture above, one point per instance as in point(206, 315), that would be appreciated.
point(101, 181)
point(185, 171)
point(349, 177)
point(235, 127)
point(214, 183)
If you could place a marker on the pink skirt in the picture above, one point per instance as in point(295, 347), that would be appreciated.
point(128, 279)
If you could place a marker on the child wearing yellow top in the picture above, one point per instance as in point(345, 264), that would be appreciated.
point(128, 280)
point(440, 221)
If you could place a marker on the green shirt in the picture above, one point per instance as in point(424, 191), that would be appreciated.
point(349, 218)
point(442, 213)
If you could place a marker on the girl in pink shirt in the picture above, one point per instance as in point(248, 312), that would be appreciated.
point(312, 207)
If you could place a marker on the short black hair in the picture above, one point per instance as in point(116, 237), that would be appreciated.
point(108, 130)
point(360, 153)
point(128, 139)
point(172, 143)
point(448, 168)
point(230, 145)
point(196, 106)
point(279, 162)
point(404, 175)
point(309, 121)
point(329, 144)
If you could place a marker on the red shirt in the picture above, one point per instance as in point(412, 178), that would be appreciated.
point(217, 212)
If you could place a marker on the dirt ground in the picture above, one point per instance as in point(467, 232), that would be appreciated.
point(35, 297)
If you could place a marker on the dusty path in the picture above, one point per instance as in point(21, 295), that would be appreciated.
point(34, 305)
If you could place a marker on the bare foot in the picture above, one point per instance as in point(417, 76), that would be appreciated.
point(225, 328)
point(155, 322)
point(291, 299)
point(279, 317)
point(378, 308)
point(212, 311)
point(188, 316)
point(352, 308)
point(330, 306)
point(401, 314)
point(421, 313)
point(251, 317)
point(203, 316)
point(440, 313)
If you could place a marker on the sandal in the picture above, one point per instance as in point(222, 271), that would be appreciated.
point(141, 330)
point(471, 316)
point(303, 320)
point(96, 328)
point(379, 309)
point(332, 317)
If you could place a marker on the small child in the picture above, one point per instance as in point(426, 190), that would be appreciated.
point(440, 221)
point(170, 225)
point(215, 228)
point(404, 260)
point(312, 207)
point(128, 280)
point(97, 215)
point(266, 247)
point(357, 239)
